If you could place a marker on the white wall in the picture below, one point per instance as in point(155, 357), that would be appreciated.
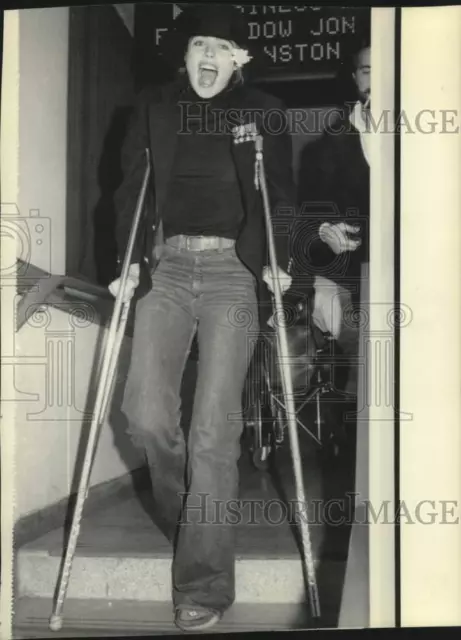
point(58, 348)
point(42, 132)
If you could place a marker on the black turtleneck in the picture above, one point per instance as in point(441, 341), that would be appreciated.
point(204, 195)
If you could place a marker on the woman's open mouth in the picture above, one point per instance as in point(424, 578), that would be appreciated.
point(207, 74)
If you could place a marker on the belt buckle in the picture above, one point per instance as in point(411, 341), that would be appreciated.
point(190, 243)
point(197, 243)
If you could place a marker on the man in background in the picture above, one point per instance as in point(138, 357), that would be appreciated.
point(331, 239)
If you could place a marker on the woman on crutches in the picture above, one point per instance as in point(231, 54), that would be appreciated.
point(209, 275)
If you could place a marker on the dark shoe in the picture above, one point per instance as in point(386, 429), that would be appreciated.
point(192, 618)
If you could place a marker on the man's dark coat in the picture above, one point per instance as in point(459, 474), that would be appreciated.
point(334, 186)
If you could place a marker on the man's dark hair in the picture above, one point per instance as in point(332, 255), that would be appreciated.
point(345, 86)
point(364, 43)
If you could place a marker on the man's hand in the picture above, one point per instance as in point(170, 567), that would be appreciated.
point(327, 312)
point(336, 236)
point(132, 283)
point(284, 278)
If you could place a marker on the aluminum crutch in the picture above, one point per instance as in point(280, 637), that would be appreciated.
point(103, 396)
point(114, 350)
point(287, 384)
point(114, 360)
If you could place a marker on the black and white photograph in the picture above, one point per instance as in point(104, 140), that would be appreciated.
point(201, 207)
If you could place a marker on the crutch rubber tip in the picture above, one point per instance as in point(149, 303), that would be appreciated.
point(55, 623)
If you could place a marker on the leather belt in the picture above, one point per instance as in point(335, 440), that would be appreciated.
point(200, 243)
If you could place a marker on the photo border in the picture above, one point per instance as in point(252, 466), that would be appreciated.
point(411, 444)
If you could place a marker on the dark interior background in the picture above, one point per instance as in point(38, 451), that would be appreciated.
point(111, 58)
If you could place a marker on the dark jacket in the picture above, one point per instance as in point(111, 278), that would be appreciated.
point(154, 125)
point(334, 186)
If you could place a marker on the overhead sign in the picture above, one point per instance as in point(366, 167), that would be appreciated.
point(286, 40)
